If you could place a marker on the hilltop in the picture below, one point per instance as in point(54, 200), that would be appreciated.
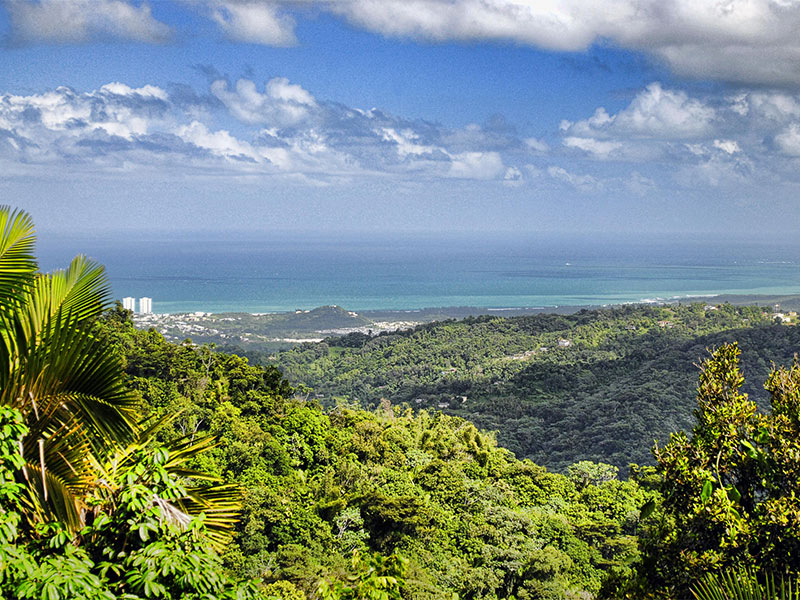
point(596, 385)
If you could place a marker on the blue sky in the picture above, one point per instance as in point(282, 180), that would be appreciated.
point(402, 115)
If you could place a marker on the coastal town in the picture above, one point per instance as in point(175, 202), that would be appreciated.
point(272, 329)
point(279, 330)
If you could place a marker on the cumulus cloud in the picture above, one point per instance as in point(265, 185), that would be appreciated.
point(537, 145)
point(281, 104)
point(742, 41)
point(747, 140)
point(584, 183)
point(79, 21)
point(147, 91)
point(281, 129)
point(116, 109)
point(407, 143)
point(750, 41)
point(788, 141)
point(220, 143)
point(654, 113)
point(717, 168)
point(727, 146)
point(252, 21)
point(598, 148)
point(477, 165)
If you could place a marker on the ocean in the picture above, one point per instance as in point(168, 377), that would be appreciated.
point(281, 271)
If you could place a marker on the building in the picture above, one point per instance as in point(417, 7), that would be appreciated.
point(145, 305)
point(129, 303)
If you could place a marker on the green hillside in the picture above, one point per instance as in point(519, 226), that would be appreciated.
point(135, 468)
point(597, 385)
point(467, 516)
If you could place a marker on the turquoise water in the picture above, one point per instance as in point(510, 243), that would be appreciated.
point(277, 272)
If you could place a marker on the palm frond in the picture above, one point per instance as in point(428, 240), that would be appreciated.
point(17, 263)
point(58, 472)
point(220, 503)
point(70, 389)
point(67, 385)
point(78, 293)
point(68, 370)
point(222, 507)
point(745, 584)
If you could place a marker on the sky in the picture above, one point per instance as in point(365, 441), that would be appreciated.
point(391, 116)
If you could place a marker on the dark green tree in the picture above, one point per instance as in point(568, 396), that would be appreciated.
point(730, 488)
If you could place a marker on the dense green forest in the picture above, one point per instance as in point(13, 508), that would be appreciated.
point(468, 517)
point(132, 467)
point(597, 385)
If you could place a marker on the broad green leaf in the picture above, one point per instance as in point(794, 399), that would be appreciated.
point(647, 509)
point(708, 489)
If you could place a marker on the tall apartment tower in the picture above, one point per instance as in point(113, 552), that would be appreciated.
point(145, 305)
point(129, 303)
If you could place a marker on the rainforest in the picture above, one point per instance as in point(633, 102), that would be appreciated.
point(476, 459)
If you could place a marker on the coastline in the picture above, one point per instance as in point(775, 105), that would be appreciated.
point(788, 301)
point(277, 330)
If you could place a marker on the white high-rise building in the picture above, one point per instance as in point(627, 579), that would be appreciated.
point(145, 305)
point(129, 303)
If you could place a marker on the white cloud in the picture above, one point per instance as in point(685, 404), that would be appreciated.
point(279, 88)
point(252, 21)
point(477, 165)
point(598, 148)
point(407, 142)
point(773, 106)
point(78, 21)
point(788, 141)
point(718, 169)
point(750, 41)
point(537, 145)
point(115, 108)
point(282, 130)
point(659, 125)
point(655, 112)
point(555, 25)
point(584, 183)
point(513, 177)
point(727, 146)
point(282, 103)
point(221, 143)
point(120, 89)
point(743, 41)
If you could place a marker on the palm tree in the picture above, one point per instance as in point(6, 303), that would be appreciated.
point(219, 502)
point(68, 387)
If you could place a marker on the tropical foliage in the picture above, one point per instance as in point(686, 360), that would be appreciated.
point(137, 544)
point(90, 505)
point(68, 388)
point(745, 584)
point(730, 487)
point(137, 468)
point(467, 517)
point(598, 385)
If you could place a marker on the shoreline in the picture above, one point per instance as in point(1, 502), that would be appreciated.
point(787, 301)
point(277, 330)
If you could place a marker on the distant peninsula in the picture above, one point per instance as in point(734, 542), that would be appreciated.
point(282, 330)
